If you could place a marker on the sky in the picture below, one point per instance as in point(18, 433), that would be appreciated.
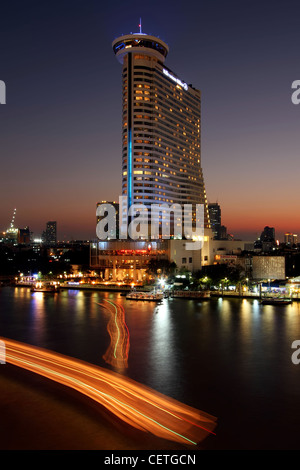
point(60, 129)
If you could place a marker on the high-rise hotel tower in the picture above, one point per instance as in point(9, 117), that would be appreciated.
point(161, 127)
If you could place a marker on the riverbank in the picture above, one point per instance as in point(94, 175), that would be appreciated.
point(187, 294)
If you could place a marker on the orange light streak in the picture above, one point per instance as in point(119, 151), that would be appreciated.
point(135, 404)
point(118, 350)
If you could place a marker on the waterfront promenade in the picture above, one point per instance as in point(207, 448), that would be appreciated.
point(187, 293)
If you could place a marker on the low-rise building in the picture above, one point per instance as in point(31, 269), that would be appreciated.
point(268, 267)
point(119, 260)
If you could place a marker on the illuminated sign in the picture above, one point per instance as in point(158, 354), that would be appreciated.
point(175, 79)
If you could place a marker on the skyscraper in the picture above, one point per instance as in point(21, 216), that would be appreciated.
point(214, 210)
point(161, 155)
point(161, 164)
point(49, 235)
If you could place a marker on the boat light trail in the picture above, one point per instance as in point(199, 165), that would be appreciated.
point(135, 404)
point(118, 350)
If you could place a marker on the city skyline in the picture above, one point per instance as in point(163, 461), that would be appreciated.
point(60, 128)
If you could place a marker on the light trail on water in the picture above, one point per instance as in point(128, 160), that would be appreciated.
point(135, 404)
point(118, 350)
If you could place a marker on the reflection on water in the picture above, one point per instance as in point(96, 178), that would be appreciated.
point(37, 314)
point(162, 348)
point(118, 350)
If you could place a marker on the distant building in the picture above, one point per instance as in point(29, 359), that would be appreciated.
point(24, 236)
point(215, 219)
point(268, 235)
point(290, 238)
point(49, 236)
point(224, 235)
point(266, 240)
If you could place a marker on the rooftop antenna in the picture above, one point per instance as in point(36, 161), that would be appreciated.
point(140, 25)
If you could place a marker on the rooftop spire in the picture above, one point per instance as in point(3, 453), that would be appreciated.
point(140, 25)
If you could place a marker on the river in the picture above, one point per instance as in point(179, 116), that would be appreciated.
point(228, 357)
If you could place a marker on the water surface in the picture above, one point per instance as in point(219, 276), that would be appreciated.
point(228, 357)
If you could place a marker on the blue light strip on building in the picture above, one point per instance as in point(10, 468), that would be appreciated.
point(129, 178)
point(129, 143)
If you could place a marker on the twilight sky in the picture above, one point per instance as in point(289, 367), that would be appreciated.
point(60, 131)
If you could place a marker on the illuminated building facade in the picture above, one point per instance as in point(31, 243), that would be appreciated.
point(161, 158)
point(161, 161)
point(128, 261)
point(290, 238)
